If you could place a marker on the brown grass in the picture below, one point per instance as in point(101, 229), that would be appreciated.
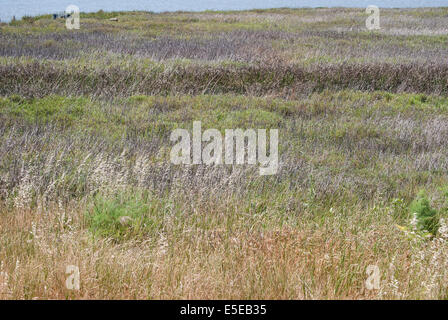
point(300, 263)
point(40, 79)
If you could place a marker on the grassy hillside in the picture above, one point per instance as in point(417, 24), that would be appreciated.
point(85, 122)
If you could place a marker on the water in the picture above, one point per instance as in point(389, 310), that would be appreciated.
point(19, 8)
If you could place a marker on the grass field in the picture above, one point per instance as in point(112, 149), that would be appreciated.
point(85, 123)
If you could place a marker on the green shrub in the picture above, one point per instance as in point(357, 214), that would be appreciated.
point(427, 219)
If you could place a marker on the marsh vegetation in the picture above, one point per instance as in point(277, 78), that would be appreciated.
point(86, 179)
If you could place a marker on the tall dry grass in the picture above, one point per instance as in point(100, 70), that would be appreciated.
point(328, 262)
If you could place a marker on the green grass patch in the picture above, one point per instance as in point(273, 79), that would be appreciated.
point(125, 216)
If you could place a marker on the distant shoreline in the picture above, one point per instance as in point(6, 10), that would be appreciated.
point(19, 16)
